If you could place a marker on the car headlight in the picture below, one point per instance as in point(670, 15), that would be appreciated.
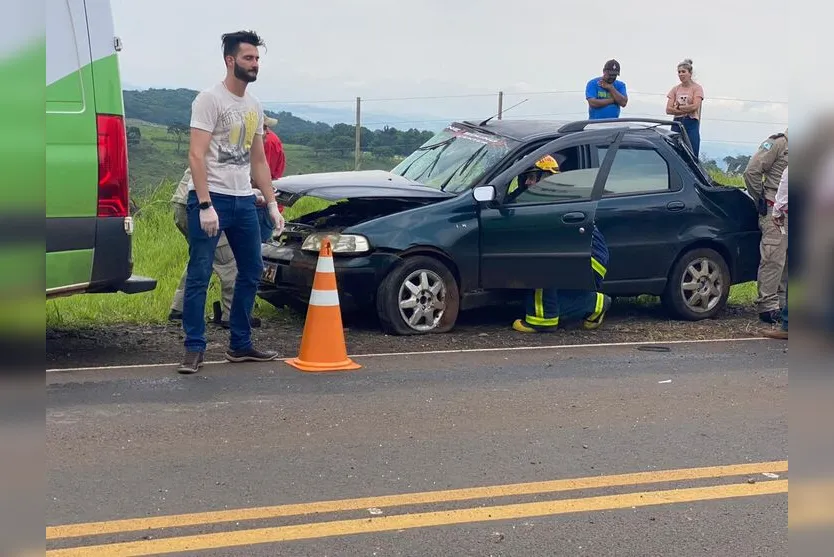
point(341, 243)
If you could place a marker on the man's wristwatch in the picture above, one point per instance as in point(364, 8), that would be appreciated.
point(205, 204)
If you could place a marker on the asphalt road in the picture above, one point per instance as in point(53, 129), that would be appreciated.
point(570, 451)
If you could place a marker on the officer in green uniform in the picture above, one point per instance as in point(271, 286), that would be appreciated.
point(762, 177)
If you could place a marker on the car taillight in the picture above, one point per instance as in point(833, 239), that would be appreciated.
point(112, 166)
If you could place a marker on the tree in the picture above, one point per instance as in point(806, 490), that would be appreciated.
point(344, 130)
point(179, 131)
point(319, 143)
point(710, 164)
point(737, 164)
point(384, 152)
point(342, 143)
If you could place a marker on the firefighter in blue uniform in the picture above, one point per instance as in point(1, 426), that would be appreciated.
point(547, 308)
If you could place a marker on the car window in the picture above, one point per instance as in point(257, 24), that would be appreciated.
point(554, 184)
point(636, 170)
point(454, 158)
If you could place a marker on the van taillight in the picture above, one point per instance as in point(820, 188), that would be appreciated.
point(112, 166)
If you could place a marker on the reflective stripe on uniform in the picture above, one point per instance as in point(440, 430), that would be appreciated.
point(598, 267)
point(598, 308)
point(542, 321)
point(538, 307)
point(539, 303)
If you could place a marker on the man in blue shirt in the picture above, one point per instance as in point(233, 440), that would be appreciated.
point(606, 94)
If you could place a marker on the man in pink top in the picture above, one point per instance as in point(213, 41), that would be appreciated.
point(684, 103)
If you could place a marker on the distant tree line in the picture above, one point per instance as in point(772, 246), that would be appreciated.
point(735, 165)
point(172, 107)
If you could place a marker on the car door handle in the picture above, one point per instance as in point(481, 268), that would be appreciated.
point(675, 206)
point(573, 217)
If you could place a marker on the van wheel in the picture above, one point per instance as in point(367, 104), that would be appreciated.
point(419, 296)
point(698, 286)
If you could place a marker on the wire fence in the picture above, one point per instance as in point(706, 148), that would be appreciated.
point(729, 111)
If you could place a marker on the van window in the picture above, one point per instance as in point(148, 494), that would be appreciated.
point(63, 77)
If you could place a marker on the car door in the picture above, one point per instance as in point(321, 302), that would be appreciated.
point(643, 213)
point(541, 237)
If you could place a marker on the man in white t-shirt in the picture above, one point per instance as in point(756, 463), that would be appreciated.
point(226, 156)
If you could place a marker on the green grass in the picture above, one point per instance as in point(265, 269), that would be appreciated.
point(740, 295)
point(156, 160)
point(160, 251)
point(726, 179)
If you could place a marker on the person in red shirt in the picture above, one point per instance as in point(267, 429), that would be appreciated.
point(274, 149)
point(277, 162)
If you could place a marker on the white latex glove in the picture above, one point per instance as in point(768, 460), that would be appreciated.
point(209, 221)
point(260, 200)
point(277, 217)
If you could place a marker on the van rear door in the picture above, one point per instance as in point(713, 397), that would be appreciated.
point(71, 150)
point(89, 227)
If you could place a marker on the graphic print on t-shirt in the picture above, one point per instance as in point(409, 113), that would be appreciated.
point(242, 127)
point(683, 99)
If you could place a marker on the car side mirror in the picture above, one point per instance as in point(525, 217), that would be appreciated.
point(484, 194)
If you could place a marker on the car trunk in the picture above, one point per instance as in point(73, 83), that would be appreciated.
point(733, 201)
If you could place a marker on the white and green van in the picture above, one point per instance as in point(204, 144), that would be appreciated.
point(88, 222)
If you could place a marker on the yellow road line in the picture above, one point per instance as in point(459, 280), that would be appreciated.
point(258, 513)
point(422, 520)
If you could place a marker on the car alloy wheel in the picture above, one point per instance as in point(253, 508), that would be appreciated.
point(702, 285)
point(422, 300)
point(418, 296)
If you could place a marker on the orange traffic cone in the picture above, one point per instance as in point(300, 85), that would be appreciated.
point(323, 340)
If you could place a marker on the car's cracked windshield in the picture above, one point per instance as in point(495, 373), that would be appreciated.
point(454, 159)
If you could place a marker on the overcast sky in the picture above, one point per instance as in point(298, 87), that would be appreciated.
point(335, 50)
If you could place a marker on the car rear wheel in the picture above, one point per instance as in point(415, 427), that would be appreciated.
point(698, 286)
point(419, 296)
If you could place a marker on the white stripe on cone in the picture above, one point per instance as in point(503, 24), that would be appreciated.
point(325, 265)
point(324, 298)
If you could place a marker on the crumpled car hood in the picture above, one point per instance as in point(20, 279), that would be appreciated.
point(362, 184)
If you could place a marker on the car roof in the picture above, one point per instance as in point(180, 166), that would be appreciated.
point(521, 130)
point(527, 130)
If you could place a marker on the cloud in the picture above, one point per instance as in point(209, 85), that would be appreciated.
point(337, 51)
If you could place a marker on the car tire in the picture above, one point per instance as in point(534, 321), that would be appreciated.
point(698, 285)
point(432, 284)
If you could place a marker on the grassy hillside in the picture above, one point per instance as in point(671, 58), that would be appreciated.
point(157, 158)
point(172, 107)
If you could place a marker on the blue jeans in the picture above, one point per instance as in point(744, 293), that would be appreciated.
point(693, 130)
point(239, 220)
point(267, 226)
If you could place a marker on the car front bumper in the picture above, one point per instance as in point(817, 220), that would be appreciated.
point(288, 274)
